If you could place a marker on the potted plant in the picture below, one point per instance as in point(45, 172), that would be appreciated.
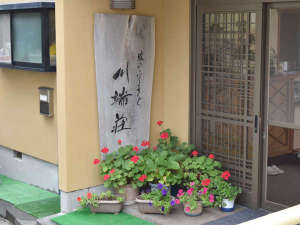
point(158, 201)
point(191, 200)
point(122, 171)
point(106, 202)
point(163, 162)
point(228, 193)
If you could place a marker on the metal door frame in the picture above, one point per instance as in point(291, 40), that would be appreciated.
point(267, 204)
point(196, 60)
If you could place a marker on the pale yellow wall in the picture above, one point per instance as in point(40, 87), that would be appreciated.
point(22, 127)
point(77, 102)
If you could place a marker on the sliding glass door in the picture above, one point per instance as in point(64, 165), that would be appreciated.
point(282, 124)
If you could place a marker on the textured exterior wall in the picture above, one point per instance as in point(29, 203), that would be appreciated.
point(77, 122)
point(22, 127)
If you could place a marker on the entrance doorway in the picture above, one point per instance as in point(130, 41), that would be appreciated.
point(281, 186)
point(226, 92)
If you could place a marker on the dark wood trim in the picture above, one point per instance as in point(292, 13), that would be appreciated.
point(45, 65)
point(32, 5)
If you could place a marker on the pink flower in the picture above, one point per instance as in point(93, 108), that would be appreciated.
point(192, 183)
point(119, 141)
point(187, 209)
point(190, 191)
point(164, 135)
point(112, 171)
point(177, 201)
point(79, 199)
point(105, 150)
point(204, 190)
point(136, 149)
point(96, 161)
point(180, 193)
point(155, 148)
point(211, 198)
point(145, 143)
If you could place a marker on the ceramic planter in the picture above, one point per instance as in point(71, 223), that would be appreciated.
point(107, 207)
point(227, 205)
point(129, 194)
point(196, 212)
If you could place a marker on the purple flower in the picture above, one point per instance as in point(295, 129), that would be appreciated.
point(160, 186)
point(164, 192)
point(150, 203)
point(148, 190)
point(172, 203)
point(162, 208)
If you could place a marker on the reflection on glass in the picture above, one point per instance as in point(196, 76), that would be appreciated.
point(27, 42)
point(5, 48)
point(283, 169)
point(52, 40)
point(284, 61)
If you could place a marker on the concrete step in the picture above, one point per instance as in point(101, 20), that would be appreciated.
point(47, 220)
point(18, 217)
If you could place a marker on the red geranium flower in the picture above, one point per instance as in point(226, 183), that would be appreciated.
point(112, 171)
point(89, 195)
point(205, 182)
point(195, 153)
point(136, 149)
point(96, 161)
point(119, 141)
point(143, 178)
point(105, 150)
point(135, 159)
point(225, 175)
point(155, 148)
point(211, 156)
point(79, 199)
point(164, 135)
point(106, 177)
point(145, 143)
point(159, 123)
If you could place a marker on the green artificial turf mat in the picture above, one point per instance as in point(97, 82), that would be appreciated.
point(85, 217)
point(42, 208)
point(34, 201)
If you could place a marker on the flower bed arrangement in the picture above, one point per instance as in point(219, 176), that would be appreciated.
point(158, 201)
point(170, 162)
point(106, 202)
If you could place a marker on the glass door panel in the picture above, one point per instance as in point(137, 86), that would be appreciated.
point(283, 98)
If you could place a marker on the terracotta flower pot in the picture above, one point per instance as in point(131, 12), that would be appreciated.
point(107, 207)
point(196, 212)
point(129, 194)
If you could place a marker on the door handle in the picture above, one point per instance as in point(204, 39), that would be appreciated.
point(255, 123)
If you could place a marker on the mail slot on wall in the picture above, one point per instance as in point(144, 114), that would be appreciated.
point(46, 101)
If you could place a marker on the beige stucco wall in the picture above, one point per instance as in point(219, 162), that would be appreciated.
point(22, 127)
point(77, 104)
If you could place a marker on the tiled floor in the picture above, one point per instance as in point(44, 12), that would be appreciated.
point(177, 217)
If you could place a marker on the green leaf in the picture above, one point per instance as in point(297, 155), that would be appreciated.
point(173, 165)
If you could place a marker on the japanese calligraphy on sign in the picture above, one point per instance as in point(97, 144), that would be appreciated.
point(124, 56)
